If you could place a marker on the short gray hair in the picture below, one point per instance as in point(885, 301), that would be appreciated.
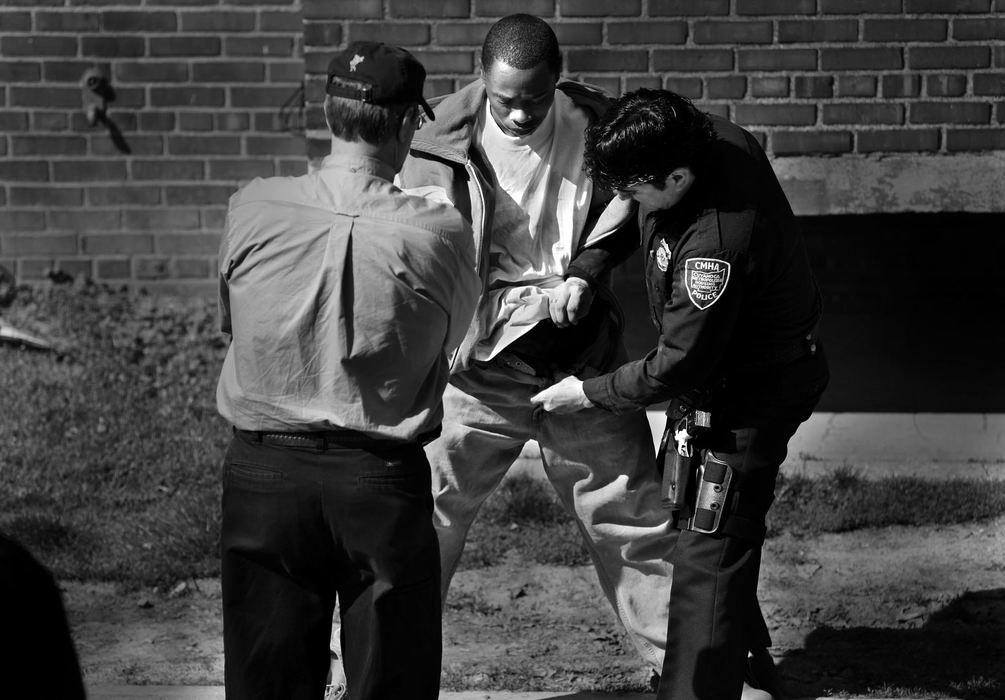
point(354, 120)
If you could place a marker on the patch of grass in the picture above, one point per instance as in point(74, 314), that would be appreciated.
point(979, 687)
point(524, 515)
point(845, 500)
point(110, 450)
point(559, 677)
point(890, 690)
point(111, 445)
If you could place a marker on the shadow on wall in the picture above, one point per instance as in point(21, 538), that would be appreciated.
point(958, 652)
point(914, 310)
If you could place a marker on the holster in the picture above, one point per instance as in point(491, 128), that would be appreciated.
point(676, 467)
point(711, 490)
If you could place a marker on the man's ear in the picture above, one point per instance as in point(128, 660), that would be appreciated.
point(407, 126)
point(681, 178)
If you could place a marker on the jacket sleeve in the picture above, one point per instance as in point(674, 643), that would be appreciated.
point(707, 288)
point(612, 236)
point(467, 285)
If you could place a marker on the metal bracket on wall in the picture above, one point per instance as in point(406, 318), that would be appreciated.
point(96, 93)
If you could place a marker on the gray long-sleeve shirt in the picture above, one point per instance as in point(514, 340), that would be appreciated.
point(343, 296)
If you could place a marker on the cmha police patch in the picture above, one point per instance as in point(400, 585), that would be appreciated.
point(705, 280)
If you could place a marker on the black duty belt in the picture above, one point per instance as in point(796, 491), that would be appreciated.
point(784, 354)
point(323, 440)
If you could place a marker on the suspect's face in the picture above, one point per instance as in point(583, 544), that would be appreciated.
point(519, 98)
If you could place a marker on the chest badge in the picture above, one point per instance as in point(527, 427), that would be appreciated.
point(705, 280)
point(663, 255)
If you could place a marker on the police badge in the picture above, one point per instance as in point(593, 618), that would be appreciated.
point(663, 255)
point(705, 280)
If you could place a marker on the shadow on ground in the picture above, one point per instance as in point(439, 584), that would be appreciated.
point(958, 651)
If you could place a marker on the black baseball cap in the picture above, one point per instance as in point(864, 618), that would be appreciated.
point(389, 75)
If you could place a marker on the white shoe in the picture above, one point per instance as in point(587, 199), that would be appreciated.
point(336, 692)
point(752, 693)
point(336, 688)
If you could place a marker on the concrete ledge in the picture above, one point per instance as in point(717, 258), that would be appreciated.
point(161, 692)
point(926, 445)
point(885, 184)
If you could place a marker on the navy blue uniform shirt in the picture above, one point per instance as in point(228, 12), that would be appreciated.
point(731, 293)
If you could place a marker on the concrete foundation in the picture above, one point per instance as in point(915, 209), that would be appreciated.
point(894, 183)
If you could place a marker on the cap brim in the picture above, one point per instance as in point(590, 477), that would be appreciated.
point(427, 109)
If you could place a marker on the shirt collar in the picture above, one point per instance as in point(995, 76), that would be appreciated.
point(363, 165)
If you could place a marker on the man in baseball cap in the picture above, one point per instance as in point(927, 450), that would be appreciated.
point(378, 74)
point(343, 297)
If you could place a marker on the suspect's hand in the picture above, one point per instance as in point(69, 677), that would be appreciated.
point(570, 301)
point(565, 397)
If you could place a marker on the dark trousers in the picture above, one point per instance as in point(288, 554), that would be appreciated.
point(714, 614)
point(302, 525)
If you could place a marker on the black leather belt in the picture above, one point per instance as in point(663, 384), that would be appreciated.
point(522, 363)
point(783, 355)
point(323, 440)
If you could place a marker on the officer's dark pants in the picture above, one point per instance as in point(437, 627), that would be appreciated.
point(714, 616)
point(301, 525)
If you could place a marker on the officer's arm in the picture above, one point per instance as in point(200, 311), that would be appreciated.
point(699, 318)
point(592, 264)
point(610, 236)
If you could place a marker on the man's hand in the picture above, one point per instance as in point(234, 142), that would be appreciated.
point(570, 301)
point(565, 397)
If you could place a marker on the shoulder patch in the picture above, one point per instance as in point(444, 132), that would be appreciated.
point(705, 280)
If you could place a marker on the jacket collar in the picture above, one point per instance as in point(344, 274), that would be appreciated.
point(451, 134)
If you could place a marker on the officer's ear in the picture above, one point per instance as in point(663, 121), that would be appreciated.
point(680, 179)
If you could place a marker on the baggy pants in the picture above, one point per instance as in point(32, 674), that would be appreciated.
point(301, 525)
point(602, 466)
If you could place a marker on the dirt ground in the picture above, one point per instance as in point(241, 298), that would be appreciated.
point(883, 612)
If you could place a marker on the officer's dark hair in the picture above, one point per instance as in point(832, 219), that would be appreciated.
point(522, 41)
point(644, 136)
point(354, 120)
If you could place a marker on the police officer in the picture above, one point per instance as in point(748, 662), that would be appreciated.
point(736, 306)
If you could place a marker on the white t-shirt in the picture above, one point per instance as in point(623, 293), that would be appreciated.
point(543, 197)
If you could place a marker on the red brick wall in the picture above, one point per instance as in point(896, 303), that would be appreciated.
point(810, 77)
point(207, 98)
point(200, 91)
